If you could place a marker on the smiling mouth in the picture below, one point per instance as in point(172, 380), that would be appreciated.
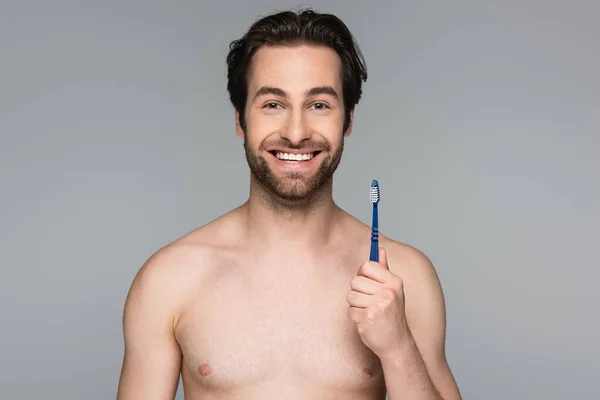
point(294, 156)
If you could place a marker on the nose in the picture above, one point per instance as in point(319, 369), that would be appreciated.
point(296, 129)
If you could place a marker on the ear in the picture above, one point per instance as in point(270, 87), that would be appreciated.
point(349, 130)
point(238, 127)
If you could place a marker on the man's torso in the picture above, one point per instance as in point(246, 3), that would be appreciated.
point(257, 326)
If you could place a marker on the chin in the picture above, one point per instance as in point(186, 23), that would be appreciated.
point(293, 189)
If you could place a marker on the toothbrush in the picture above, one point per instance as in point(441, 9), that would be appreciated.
point(374, 197)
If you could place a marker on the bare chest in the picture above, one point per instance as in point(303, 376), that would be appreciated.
point(242, 332)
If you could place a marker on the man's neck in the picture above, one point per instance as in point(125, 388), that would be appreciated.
point(279, 225)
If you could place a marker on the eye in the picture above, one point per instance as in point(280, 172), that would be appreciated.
point(320, 106)
point(272, 106)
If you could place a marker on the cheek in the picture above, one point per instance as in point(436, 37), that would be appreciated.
point(266, 123)
point(330, 126)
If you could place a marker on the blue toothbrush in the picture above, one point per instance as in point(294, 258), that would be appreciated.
point(374, 197)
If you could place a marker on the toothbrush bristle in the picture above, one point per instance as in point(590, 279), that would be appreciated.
point(374, 192)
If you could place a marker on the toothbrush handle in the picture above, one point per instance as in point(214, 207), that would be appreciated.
point(374, 236)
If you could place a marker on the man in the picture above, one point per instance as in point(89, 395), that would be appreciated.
point(276, 298)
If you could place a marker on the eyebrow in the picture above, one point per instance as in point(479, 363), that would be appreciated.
point(281, 93)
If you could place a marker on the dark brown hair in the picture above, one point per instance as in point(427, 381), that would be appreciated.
point(290, 28)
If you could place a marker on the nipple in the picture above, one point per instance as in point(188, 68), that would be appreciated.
point(367, 373)
point(204, 369)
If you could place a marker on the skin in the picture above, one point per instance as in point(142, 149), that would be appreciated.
point(276, 298)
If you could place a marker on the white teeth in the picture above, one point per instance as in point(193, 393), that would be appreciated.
point(294, 157)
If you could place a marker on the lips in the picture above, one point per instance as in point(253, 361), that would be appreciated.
point(294, 155)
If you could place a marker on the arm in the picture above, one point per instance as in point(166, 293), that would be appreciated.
point(152, 359)
point(419, 369)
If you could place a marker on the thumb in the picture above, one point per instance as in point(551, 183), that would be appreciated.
point(383, 257)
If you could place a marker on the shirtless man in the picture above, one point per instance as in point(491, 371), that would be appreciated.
point(276, 299)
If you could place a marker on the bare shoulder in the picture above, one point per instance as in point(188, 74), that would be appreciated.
point(170, 274)
point(159, 285)
point(192, 252)
point(421, 282)
point(406, 261)
point(173, 262)
point(409, 262)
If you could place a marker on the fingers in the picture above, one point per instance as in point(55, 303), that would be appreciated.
point(383, 257)
point(375, 271)
point(364, 285)
point(359, 300)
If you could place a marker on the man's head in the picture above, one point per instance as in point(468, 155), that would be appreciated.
point(294, 80)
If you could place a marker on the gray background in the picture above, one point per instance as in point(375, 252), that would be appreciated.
point(480, 119)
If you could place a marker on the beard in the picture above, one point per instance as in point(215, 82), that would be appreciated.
point(294, 186)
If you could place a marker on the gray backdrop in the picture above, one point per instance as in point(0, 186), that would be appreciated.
point(480, 120)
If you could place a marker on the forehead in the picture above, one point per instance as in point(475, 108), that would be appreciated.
point(295, 69)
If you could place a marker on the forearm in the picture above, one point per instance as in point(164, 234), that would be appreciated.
point(406, 376)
